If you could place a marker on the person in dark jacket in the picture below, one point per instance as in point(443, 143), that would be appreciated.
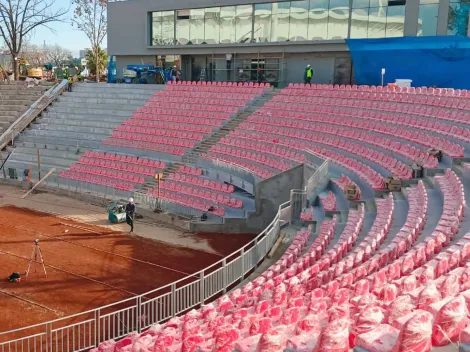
point(130, 212)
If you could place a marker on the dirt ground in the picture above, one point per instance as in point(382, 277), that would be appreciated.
point(87, 267)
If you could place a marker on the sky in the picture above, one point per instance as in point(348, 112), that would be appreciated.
point(65, 35)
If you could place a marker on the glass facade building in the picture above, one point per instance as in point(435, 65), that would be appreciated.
point(301, 20)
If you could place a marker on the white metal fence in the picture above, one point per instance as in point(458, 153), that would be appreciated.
point(88, 329)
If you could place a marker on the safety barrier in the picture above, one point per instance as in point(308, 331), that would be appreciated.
point(88, 329)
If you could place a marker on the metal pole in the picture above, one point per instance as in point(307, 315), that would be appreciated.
point(201, 278)
point(224, 274)
point(39, 163)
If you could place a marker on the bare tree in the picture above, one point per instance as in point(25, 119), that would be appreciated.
point(90, 18)
point(18, 18)
point(58, 55)
point(34, 54)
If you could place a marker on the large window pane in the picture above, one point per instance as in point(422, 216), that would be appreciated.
point(377, 21)
point(395, 21)
point(280, 22)
point(457, 22)
point(163, 28)
point(227, 24)
point(244, 23)
point(359, 21)
point(360, 4)
point(196, 26)
point(338, 19)
point(262, 31)
point(318, 20)
point(212, 25)
point(182, 26)
point(298, 26)
point(428, 12)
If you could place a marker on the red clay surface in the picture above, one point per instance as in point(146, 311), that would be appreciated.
point(86, 270)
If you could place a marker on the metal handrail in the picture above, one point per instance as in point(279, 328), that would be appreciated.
point(33, 111)
point(198, 288)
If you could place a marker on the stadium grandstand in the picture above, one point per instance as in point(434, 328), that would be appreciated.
point(357, 189)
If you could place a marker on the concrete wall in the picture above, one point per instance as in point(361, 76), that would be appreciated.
point(274, 191)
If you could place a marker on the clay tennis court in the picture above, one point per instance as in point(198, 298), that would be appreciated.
point(87, 266)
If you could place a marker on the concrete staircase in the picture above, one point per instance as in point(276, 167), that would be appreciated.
point(76, 122)
point(16, 98)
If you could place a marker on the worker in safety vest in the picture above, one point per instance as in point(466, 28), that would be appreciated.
point(70, 82)
point(308, 74)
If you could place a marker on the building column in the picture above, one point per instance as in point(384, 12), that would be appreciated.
point(442, 17)
point(411, 18)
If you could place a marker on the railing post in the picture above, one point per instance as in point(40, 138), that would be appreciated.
point(139, 313)
point(173, 300)
point(98, 325)
point(256, 252)
point(95, 339)
point(242, 255)
point(49, 344)
point(224, 274)
point(201, 288)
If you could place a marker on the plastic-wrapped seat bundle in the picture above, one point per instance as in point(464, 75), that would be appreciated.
point(335, 336)
point(428, 296)
point(273, 340)
point(450, 287)
point(399, 307)
point(307, 342)
point(449, 322)
point(367, 320)
point(416, 333)
point(383, 338)
point(107, 346)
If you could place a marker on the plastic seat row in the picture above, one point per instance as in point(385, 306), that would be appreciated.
point(306, 214)
point(189, 170)
point(188, 201)
point(226, 103)
point(367, 121)
point(451, 102)
point(177, 119)
point(203, 95)
point(263, 148)
point(151, 106)
point(200, 193)
point(396, 90)
point(299, 122)
point(182, 133)
point(365, 172)
point(89, 156)
point(145, 145)
point(449, 148)
point(394, 165)
point(328, 201)
point(252, 156)
point(441, 128)
point(160, 139)
point(142, 170)
point(220, 84)
point(200, 182)
point(122, 176)
point(97, 180)
point(189, 127)
point(157, 114)
point(257, 170)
